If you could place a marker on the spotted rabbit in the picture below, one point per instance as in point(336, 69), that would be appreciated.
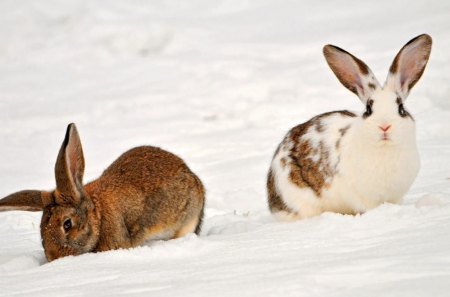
point(349, 162)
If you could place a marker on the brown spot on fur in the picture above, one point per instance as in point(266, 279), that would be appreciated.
point(276, 204)
point(283, 162)
point(318, 123)
point(305, 172)
point(319, 126)
point(343, 113)
point(372, 86)
point(344, 130)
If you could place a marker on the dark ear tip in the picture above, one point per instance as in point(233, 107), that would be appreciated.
point(327, 49)
point(428, 39)
point(330, 49)
point(425, 38)
point(71, 127)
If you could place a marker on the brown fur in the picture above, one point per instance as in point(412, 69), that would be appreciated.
point(170, 199)
point(276, 204)
point(304, 172)
point(147, 193)
point(331, 54)
point(310, 165)
point(342, 131)
point(328, 52)
point(28, 200)
point(397, 66)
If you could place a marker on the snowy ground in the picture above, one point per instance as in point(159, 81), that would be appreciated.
point(218, 83)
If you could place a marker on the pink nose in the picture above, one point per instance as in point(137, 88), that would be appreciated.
point(385, 128)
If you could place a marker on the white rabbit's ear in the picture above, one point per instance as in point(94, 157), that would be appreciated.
point(29, 200)
point(353, 73)
point(69, 169)
point(408, 65)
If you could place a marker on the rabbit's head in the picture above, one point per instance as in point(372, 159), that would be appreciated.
point(67, 225)
point(70, 221)
point(385, 120)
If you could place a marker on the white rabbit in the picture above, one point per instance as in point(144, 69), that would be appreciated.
point(347, 162)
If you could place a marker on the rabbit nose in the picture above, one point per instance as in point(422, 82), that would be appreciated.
point(384, 128)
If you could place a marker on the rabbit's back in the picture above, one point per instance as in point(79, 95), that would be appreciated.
point(306, 163)
point(151, 192)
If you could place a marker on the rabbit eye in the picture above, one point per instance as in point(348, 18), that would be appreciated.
point(67, 225)
point(401, 110)
point(368, 109)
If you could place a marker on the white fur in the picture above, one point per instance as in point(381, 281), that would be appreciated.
point(368, 170)
point(376, 159)
point(302, 200)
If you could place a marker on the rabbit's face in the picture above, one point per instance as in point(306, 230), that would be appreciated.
point(386, 120)
point(68, 230)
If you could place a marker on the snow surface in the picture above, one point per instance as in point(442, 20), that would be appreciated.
point(218, 83)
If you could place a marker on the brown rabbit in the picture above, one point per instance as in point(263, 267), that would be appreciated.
point(146, 194)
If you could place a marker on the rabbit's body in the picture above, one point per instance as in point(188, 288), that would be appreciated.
point(146, 194)
point(150, 179)
point(347, 162)
point(324, 165)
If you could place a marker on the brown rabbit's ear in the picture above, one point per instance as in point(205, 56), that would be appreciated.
point(69, 169)
point(28, 200)
point(408, 65)
point(353, 73)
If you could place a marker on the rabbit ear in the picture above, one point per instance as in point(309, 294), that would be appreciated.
point(353, 73)
point(408, 65)
point(69, 169)
point(29, 200)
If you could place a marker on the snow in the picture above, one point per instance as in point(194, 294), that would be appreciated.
point(218, 83)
